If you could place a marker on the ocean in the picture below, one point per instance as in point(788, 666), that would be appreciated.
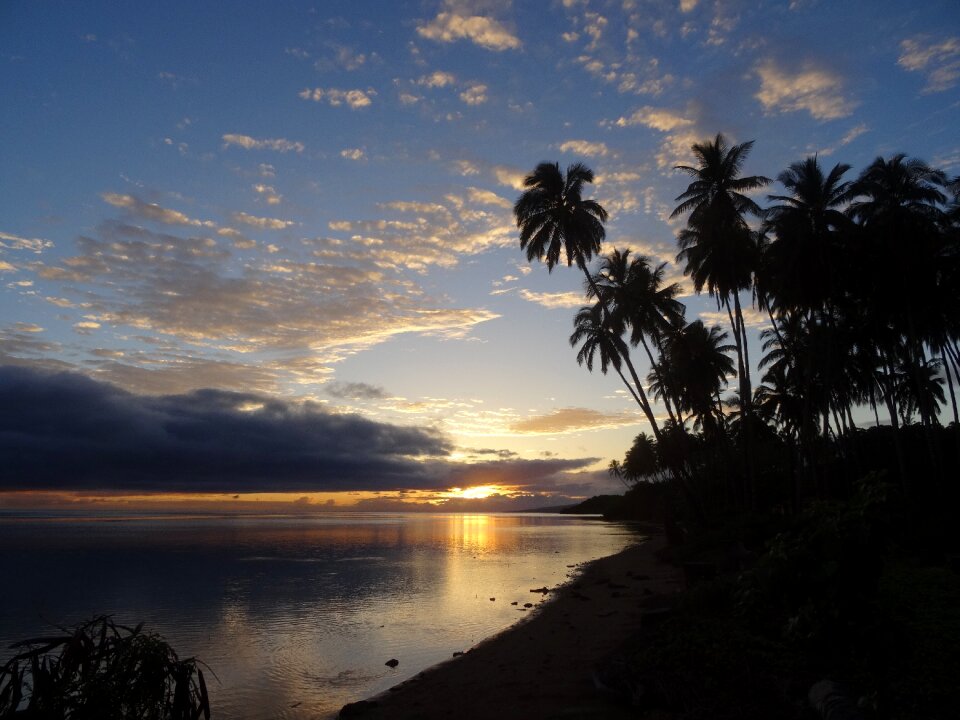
point(295, 615)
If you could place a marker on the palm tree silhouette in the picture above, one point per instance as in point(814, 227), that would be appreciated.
point(637, 299)
point(897, 204)
point(598, 339)
point(556, 222)
point(695, 363)
point(807, 225)
point(717, 247)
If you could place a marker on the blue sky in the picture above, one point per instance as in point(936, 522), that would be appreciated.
point(311, 202)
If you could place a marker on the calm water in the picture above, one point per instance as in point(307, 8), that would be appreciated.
point(296, 615)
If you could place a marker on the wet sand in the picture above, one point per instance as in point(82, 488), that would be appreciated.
point(544, 666)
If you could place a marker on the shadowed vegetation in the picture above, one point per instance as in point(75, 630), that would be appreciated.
point(101, 671)
point(814, 510)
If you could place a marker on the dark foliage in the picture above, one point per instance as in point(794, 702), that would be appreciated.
point(101, 671)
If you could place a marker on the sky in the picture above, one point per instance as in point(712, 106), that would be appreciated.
point(264, 253)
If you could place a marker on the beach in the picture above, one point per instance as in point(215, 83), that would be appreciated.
point(544, 666)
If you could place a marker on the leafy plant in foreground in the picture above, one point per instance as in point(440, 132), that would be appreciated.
point(101, 670)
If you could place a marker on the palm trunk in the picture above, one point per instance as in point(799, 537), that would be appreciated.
point(666, 393)
point(747, 405)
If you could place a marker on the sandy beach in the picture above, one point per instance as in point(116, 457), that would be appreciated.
point(542, 667)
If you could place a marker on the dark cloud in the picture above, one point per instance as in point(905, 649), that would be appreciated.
point(356, 391)
point(66, 431)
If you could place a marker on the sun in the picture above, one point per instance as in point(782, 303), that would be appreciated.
point(477, 492)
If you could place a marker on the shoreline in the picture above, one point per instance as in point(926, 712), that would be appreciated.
point(542, 666)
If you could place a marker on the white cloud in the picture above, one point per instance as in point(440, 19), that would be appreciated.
point(939, 60)
point(15, 242)
point(152, 211)
point(353, 153)
point(264, 223)
point(511, 177)
point(465, 167)
point(616, 178)
point(554, 300)
point(355, 99)
point(655, 118)
point(594, 25)
point(475, 94)
point(817, 91)
point(488, 33)
point(267, 192)
point(584, 147)
point(751, 318)
point(687, 5)
point(248, 143)
point(853, 133)
point(437, 79)
point(675, 149)
point(486, 197)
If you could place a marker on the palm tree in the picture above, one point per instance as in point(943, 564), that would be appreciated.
point(553, 218)
point(598, 339)
point(696, 364)
point(807, 225)
point(897, 205)
point(717, 247)
point(555, 221)
point(637, 299)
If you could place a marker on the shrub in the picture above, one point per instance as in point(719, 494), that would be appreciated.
point(104, 671)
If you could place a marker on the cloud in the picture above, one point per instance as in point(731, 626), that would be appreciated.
point(511, 177)
point(475, 94)
point(248, 143)
point(437, 79)
point(355, 391)
point(67, 432)
point(851, 135)
point(268, 193)
point(655, 118)
point(554, 300)
point(751, 318)
point(488, 33)
point(584, 147)
point(617, 178)
point(264, 223)
point(486, 197)
point(939, 60)
point(152, 211)
point(347, 295)
point(688, 5)
point(817, 91)
point(354, 99)
point(15, 242)
point(353, 153)
point(572, 419)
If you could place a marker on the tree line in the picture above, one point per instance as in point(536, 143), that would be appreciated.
point(857, 279)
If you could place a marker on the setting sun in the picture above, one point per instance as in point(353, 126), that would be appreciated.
point(477, 492)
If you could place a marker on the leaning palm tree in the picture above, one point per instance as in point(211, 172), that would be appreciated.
point(717, 247)
point(556, 222)
point(638, 300)
point(597, 339)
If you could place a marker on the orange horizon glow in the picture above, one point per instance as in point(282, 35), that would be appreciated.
point(249, 501)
